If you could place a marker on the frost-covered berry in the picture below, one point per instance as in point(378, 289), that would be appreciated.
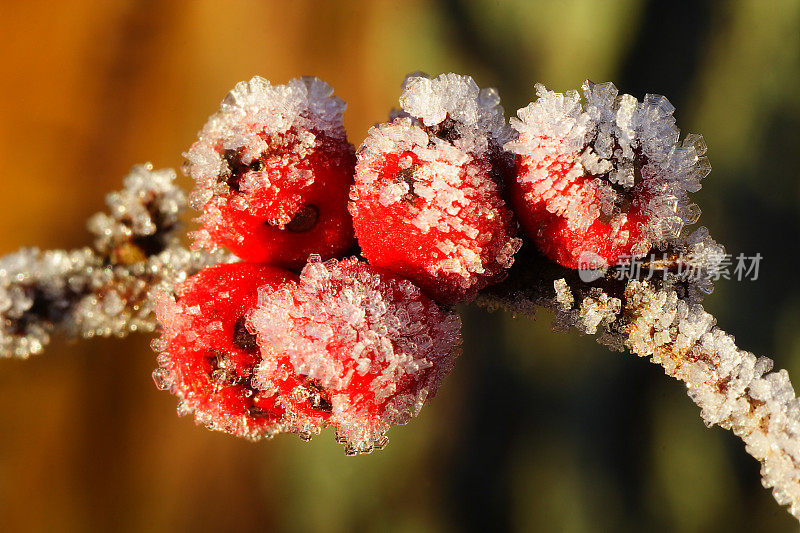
point(207, 355)
point(272, 170)
point(351, 346)
point(600, 181)
point(426, 203)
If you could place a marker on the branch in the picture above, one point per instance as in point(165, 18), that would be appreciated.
point(100, 290)
point(662, 321)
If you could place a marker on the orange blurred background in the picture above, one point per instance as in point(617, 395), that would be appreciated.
point(533, 430)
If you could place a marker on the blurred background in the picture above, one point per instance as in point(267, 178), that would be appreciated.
point(533, 430)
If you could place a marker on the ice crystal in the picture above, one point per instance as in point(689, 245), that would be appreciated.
point(142, 218)
point(597, 309)
point(733, 388)
point(257, 120)
point(426, 202)
point(370, 341)
point(700, 260)
point(606, 153)
point(454, 108)
point(660, 320)
point(102, 291)
point(206, 356)
point(38, 291)
point(463, 230)
point(272, 169)
point(119, 300)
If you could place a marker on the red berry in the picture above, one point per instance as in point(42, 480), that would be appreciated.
point(354, 347)
point(604, 181)
point(206, 354)
point(272, 169)
point(425, 204)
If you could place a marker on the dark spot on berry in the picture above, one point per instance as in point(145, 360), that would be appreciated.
point(625, 195)
point(231, 157)
point(317, 397)
point(445, 130)
point(305, 220)
point(232, 176)
point(242, 338)
point(406, 176)
point(222, 368)
point(256, 412)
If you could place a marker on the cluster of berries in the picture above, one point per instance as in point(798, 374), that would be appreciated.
point(314, 330)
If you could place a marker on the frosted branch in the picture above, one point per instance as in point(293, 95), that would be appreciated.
point(100, 290)
point(734, 389)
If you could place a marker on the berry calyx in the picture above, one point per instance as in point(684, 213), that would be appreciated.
point(207, 355)
point(603, 181)
point(426, 201)
point(272, 170)
point(351, 346)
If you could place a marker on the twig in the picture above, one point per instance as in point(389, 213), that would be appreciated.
point(100, 290)
point(733, 388)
